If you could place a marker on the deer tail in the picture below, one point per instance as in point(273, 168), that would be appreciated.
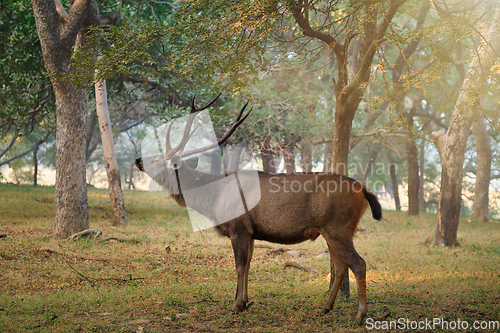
point(374, 204)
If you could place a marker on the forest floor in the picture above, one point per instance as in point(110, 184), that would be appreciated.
point(157, 275)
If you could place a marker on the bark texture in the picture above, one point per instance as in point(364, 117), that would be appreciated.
point(483, 172)
point(58, 39)
point(112, 171)
point(452, 144)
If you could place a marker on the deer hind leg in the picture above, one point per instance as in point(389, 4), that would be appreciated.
point(344, 255)
point(242, 245)
point(337, 271)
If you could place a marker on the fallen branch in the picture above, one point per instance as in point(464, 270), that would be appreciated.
point(116, 239)
point(278, 250)
point(85, 232)
point(66, 252)
point(93, 281)
point(301, 265)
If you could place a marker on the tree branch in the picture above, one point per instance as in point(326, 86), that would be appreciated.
point(9, 145)
point(61, 11)
point(412, 46)
point(77, 15)
point(38, 143)
point(17, 156)
point(365, 64)
point(300, 13)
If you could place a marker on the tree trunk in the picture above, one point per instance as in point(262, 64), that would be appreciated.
point(289, 159)
point(35, 164)
point(413, 177)
point(131, 174)
point(369, 167)
point(114, 180)
point(344, 114)
point(71, 188)
point(395, 186)
point(269, 161)
point(483, 173)
point(452, 144)
point(90, 132)
point(60, 36)
point(306, 157)
point(327, 162)
point(342, 127)
point(421, 199)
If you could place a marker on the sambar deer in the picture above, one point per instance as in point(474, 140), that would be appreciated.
point(284, 214)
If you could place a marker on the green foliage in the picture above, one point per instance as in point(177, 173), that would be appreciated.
point(24, 85)
point(211, 42)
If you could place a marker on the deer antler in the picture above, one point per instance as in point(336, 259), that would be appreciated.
point(239, 120)
point(170, 152)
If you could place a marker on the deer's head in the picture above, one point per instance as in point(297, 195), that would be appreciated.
point(164, 168)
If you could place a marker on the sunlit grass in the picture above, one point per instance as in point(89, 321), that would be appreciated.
point(190, 287)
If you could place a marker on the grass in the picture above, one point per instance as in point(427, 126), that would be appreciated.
point(191, 287)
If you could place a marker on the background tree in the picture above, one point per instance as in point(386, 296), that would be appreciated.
point(452, 144)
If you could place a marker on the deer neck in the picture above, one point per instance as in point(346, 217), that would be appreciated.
point(194, 191)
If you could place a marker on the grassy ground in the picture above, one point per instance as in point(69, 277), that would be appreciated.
point(190, 287)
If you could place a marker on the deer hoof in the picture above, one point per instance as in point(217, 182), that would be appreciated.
point(237, 308)
point(360, 318)
point(325, 310)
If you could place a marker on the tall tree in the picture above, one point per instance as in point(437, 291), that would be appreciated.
point(348, 90)
point(452, 144)
point(60, 37)
point(114, 181)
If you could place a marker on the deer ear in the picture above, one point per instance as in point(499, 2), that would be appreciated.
point(192, 162)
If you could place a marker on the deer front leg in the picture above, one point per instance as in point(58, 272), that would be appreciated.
point(247, 270)
point(242, 244)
